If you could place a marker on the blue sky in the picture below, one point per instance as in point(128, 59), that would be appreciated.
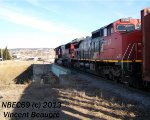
point(49, 23)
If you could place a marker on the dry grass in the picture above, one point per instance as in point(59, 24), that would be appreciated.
point(9, 70)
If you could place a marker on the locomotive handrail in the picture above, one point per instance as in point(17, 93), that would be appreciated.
point(130, 47)
point(126, 51)
point(131, 50)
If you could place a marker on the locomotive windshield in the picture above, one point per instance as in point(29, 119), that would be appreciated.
point(125, 27)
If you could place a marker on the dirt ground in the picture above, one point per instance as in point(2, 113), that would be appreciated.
point(75, 104)
point(64, 102)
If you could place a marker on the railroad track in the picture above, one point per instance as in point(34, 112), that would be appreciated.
point(100, 77)
point(91, 81)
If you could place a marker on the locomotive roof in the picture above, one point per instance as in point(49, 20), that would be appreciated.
point(112, 23)
point(101, 28)
point(76, 42)
point(58, 47)
point(67, 45)
point(77, 39)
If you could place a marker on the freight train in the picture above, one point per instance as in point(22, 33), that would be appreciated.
point(118, 51)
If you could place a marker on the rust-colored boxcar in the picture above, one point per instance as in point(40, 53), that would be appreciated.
point(145, 17)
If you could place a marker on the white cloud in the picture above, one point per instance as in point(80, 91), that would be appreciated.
point(59, 33)
point(34, 2)
point(36, 23)
point(43, 4)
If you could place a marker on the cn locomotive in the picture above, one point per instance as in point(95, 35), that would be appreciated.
point(118, 51)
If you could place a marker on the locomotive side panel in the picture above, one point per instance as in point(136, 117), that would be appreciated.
point(132, 45)
point(145, 17)
point(84, 48)
point(112, 47)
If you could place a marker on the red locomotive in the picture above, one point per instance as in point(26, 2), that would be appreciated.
point(118, 51)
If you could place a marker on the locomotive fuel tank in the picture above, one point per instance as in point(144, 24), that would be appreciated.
point(81, 64)
point(87, 65)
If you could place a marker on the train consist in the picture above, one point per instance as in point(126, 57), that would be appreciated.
point(118, 51)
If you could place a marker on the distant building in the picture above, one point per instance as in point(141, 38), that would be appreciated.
point(17, 56)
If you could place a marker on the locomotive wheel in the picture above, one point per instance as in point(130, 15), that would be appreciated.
point(110, 76)
point(107, 76)
point(128, 84)
point(137, 83)
point(116, 79)
point(126, 80)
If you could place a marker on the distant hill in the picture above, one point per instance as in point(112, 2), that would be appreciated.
point(43, 53)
